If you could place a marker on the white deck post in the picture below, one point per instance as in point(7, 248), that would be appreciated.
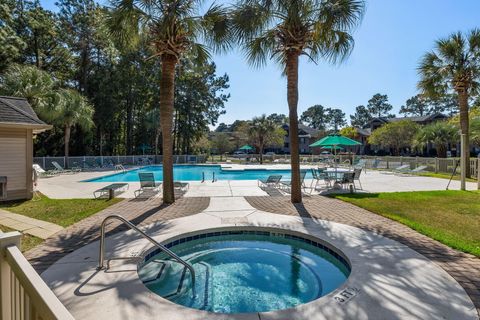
point(6, 240)
point(478, 172)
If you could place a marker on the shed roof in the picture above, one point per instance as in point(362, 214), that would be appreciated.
point(17, 112)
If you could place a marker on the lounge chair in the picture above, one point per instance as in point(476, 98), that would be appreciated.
point(288, 183)
point(42, 173)
point(402, 168)
point(60, 169)
point(115, 187)
point(409, 173)
point(147, 182)
point(271, 181)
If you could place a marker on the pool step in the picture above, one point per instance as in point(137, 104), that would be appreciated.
point(165, 281)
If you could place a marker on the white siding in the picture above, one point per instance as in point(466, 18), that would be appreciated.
point(13, 160)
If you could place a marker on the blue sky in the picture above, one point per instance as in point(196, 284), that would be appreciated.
point(388, 46)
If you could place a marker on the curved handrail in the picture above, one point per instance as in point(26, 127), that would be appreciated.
point(101, 257)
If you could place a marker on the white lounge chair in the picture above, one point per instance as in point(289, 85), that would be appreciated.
point(42, 173)
point(402, 168)
point(409, 173)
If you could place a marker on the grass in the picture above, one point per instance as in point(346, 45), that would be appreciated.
point(451, 217)
point(27, 242)
point(444, 176)
point(63, 212)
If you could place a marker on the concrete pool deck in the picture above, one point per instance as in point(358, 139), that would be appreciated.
point(72, 186)
point(390, 280)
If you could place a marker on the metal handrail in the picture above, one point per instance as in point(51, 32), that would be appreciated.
point(101, 258)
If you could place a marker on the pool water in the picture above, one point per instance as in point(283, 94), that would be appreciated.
point(246, 272)
point(196, 173)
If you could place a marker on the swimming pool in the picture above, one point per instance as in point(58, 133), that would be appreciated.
point(245, 271)
point(196, 173)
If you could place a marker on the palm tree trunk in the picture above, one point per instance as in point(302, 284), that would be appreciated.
point(464, 126)
point(292, 97)
point(67, 142)
point(167, 91)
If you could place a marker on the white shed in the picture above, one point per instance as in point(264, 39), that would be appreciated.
point(18, 124)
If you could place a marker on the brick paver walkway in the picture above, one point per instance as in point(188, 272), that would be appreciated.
point(465, 268)
point(138, 211)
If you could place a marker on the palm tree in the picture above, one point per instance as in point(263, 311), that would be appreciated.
point(285, 30)
point(264, 131)
point(33, 84)
point(74, 110)
point(440, 134)
point(172, 28)
point(454, 65)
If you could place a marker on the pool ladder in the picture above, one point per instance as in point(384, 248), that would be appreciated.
point(101, 253)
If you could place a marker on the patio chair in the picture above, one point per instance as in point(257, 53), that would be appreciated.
point(360, 164)
point(288, 183)
point(60, 169)
point(409, 173)
point(348, 179)
point(318, 175)
point(147, 182)
point(402, 168)
point(356, 177)
point(271, 181)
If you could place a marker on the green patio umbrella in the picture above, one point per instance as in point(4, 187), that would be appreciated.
point(246, 148)
point(331, 148)
point(335, 140)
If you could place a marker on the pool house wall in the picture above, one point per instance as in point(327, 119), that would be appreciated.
point(16, 155)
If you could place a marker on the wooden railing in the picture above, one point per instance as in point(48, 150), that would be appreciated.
point(23, 294)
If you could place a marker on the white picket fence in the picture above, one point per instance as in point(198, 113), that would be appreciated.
point(23, 294)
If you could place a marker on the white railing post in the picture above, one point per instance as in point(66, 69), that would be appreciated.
point(478, 172)
point(6, 240)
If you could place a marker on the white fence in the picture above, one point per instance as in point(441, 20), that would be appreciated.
point(437, 165)
point(106, 161)
point(23, 294)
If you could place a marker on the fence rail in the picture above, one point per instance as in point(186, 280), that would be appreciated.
point(105, 161)
point(23, 294)
point(437, 165)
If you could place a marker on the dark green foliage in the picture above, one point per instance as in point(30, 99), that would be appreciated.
point(361, 118)
point(324, 119)
point(75, 48)
point(378, 106)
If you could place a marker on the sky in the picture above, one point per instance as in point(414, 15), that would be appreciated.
point(389, 44)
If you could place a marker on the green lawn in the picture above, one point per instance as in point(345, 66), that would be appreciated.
point(451, 217)
point(27, 242)
point(63, 212)
point(444, 176)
